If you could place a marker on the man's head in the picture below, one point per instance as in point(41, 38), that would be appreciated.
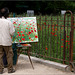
point(5, 12)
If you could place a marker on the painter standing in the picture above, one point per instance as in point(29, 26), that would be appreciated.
point(6, 31)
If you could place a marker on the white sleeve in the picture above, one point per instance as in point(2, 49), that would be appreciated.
point(12, 29)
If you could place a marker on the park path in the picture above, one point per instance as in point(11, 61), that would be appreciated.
point(24, 68)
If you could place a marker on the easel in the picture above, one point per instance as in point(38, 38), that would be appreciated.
point(19, 51)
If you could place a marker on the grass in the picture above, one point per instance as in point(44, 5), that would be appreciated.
point(51, 39)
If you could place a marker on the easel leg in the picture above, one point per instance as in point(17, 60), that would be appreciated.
point(29, 57)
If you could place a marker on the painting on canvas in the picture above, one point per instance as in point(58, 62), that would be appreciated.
point(25, 29)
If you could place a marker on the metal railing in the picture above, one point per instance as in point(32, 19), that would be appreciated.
point(56, 38)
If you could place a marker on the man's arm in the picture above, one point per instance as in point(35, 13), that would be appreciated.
point(12, 29)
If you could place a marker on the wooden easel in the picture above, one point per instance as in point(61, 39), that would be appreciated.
point(19, 51)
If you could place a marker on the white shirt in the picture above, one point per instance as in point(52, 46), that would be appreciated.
point(6, 31)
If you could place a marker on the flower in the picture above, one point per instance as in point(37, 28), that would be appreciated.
point(22, 34)
point(45, 23)
point(36, 36)
point(18, 32)
point(26, 28)
point(21, 31)
point(29, 37)
point(29, 32)
point(62, 39)
point(19, 40)
point(61, 46)
point(67, 36)
point(35, 30)
point(19, 35)
point(46, 48)
point(31, 27)
point(55, 35)
point(14, 23)
point(32, 40)
point(23, 39)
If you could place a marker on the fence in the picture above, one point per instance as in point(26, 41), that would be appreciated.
point(56, 41)
point(56, 35)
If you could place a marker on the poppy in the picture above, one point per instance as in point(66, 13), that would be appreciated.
point(46, 48)
point(29, 38)
point(23, 39)
point(61, 46)
point(19, 40)
point(21, 31)
point(29, 32)
point(18, 32)
point(36, 36)
point(22, 34)
point(19, 35)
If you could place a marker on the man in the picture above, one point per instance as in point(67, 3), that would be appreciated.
point(6, 31)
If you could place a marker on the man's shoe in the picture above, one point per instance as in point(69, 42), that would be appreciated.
point(12, 71)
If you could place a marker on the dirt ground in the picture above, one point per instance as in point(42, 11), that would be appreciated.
point(24, 68)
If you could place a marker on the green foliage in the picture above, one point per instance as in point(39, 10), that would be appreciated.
point(44, 7)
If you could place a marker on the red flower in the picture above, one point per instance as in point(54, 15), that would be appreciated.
point(46, 48)
point(55, 35)
point(52, 25)
point(56, 25)
point(17, 27)
point(22, 34)
point(21, 31)
point(29, 32)
point(11, 37)
point(19, 40)
point(31, 27)
point(19, 24)
point(32, 40)
point(14, 26)
point(66, 41)
point(36, 36)
point(26, 28)
point(67, 36)
point(26, 22)
point(67, 47)
point(18, 32)
point(61, 46)
point(19, 35)
point(45, 23)
point(29, 38)
point(52, 33)
point(35, 30)
point(62, 39)
point(14, 23)
point(23, 39)
point(61, 28)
